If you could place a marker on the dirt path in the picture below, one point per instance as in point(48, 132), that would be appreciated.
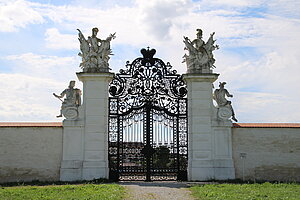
point(157, 190)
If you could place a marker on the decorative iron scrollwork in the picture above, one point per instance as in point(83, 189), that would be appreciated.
point(148, 79)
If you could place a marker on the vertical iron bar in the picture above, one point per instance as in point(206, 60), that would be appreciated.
point(148, 157)
point(118, 146)
point(178, 138)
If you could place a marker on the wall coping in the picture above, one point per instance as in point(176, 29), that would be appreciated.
point(266, 125)
point(30, 124)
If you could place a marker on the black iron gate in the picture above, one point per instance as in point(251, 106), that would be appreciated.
point(148, 122)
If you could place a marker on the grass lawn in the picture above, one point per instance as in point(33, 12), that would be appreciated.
point(247, 191)
point(56, 192)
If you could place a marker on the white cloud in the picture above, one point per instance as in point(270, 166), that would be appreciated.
point(27, 91)
point(265, 107)
point(123, 20)
point(264, 90)
point(28, 98)
point(18, 14)
point(149, 22)
point(54, 67)
point(158, 16)
point(104, 4)
point(288, 8)
point(56, 40)
point(232, 3)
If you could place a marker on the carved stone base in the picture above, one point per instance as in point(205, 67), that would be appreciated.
point(70, 113)
point(96, 70)
point(199, 70)
point(224, 113)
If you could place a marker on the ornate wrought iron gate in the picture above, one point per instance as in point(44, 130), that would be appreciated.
point(148, 122)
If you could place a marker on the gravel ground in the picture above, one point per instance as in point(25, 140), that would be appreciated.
point(157, 190)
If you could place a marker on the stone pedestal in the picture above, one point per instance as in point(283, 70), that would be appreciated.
point(210, 150)
point(73, 134)
point(85, 139)
point(223, 160)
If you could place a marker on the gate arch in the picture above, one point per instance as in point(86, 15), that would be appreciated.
point(148, 121)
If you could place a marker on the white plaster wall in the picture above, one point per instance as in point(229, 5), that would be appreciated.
point(30, 153)
point(35, 153)
point(271, 153)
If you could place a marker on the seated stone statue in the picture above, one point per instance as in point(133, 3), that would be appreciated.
point(223, 104)
point(72, 100)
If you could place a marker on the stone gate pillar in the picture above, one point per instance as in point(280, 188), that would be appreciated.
point(95, 108)
point(85, 132)
point(210, 150)
point(85, 154)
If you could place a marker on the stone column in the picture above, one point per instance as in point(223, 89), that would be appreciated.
point(203, 145)
point(95, 111)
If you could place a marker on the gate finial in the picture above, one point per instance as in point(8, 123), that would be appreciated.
point(148, 56)
point(147, 53)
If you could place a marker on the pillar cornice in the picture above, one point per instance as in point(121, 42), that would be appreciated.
point(84, 76)
point(189, 77)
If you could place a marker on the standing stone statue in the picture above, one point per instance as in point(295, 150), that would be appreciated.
point(95, 53)
point(69, 107)
point(225, 110)
point(200, 58)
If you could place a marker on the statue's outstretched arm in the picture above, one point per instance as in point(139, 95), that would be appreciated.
point(61, 95)
point(58, 96)
point(228, 94)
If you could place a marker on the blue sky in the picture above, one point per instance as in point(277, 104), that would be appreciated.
point(259, 55)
